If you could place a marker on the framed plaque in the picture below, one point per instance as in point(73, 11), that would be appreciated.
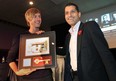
point(37, 51)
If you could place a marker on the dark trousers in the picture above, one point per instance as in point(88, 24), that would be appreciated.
point(75, 76)
point(48, 78)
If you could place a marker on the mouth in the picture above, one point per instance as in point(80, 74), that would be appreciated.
point(38, 23)
point(70, 18)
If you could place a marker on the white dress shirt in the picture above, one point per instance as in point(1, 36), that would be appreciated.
point(73, 45)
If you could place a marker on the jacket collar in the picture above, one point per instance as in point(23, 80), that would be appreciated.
point(79, 38)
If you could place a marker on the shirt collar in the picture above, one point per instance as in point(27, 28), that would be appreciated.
point(75, 28)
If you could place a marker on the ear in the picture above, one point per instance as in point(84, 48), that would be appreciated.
point(79, 14)
point(29, 19)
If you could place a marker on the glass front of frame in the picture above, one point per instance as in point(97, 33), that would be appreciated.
point(37, 51)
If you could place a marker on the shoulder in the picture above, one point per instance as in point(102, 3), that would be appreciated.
point(91, 25)
point(26, 32)
point(17, 36)
point(93, 28)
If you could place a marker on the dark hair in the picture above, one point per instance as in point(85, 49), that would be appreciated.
point(72, 4)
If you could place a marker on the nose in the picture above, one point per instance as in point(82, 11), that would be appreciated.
point(69, 14)
point(38, 18)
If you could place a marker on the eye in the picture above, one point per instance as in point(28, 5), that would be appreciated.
point(66, 13)
point(39, 16)
point(73, 11)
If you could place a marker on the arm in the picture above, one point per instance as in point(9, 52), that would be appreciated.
point(13, 66)
point(13, 55)
point(103, 50)
point(21, 72)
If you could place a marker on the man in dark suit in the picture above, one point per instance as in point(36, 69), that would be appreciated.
point(87, 54)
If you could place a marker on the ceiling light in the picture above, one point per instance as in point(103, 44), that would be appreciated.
point(31, 2)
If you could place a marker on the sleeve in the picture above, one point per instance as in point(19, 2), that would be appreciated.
point(13, 51)
point(103, 49)
point(67, 68)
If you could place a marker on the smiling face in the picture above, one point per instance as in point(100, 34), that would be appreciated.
point(35, 20)
point(33, 17)
point(72, 16)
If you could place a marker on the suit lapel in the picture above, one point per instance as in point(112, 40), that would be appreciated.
point(79, 38)
point(68, 40)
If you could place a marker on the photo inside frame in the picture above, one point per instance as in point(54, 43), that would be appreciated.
point(37, 51)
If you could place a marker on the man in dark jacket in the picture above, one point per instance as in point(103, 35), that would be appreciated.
point(87, 54)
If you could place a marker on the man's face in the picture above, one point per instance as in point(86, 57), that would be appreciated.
point(72, 16)
point(35, 20)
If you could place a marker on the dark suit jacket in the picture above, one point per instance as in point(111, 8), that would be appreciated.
point(94, 60)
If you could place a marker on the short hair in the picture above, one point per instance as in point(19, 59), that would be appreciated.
point(30, 13)
point(72, 4)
